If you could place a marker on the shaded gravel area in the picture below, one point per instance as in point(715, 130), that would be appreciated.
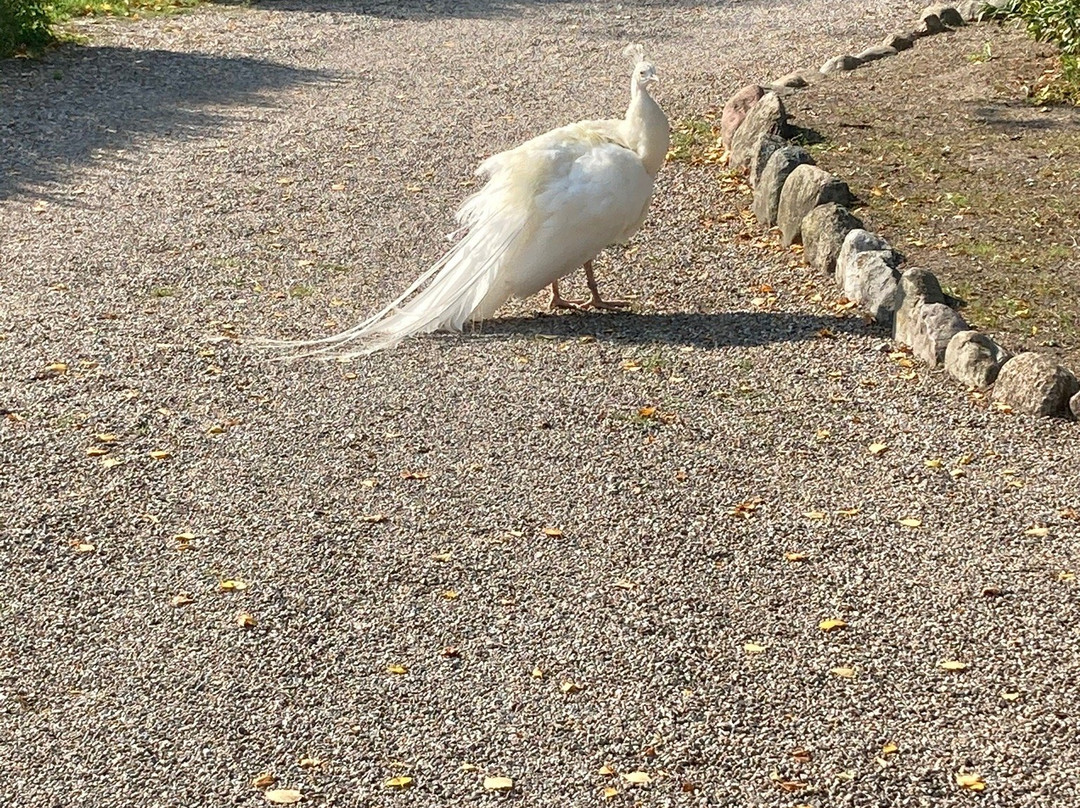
point(565, 530)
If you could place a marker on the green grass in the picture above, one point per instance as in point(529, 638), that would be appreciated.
point(60, 10)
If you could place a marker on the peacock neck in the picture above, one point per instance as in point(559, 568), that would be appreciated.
point(647, 129)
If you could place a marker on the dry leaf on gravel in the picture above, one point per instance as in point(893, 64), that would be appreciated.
point(889, 749)
point(844, 673)
point(609, 792)
point(283, 796)
point(1038, 531)
point(537, 672)
point(264, 780)
point(245, 620)
point(801, 754)
point(399, 782)
point(954, 665)
point(397, 669)
point(970, 782)
point(552, 532)
point(815, 515)
point(910, 521)
point(795, 557)
point(182, 599)
point(832, 624)
point(498, 783)
point(606, 771)
point(637, 778)
point(310, 762)
point(754, 648)
point(232, 585)
point(570, 687)
point(161, 454)
point(877, 448)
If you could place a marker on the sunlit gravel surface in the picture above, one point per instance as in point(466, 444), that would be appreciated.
point(184, 183)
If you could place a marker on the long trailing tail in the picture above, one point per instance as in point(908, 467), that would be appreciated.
point(459, 287)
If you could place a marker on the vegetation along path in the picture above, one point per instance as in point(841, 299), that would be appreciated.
point(720, 549)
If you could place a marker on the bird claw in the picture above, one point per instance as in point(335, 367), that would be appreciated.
point(608, 305)
point(559, 302)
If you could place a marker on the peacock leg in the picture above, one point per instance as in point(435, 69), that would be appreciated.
point(560, 302)
point(596, 302)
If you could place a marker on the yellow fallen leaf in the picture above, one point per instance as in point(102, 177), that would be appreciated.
point(310, 762)
point(537, 673)
point(1010, 695)
point(849, 511)
point(877, 448)
point(569, 687)
point(606, 771)
point(971, 782)
point(245, 620)
point(232, 585)
point(609, 792)
point(933, 464)
point(1066, 576)
point(263, 780)
point(622, 583)
point(443, 557)
point(283, 796)
point(795, 557)
point(97, 451)
point(469, 767)
point(814, 515)
point(498, 783)
point(637, 778)
point(553, 532)
point(160, 454)
point(109, 462)
point(373, 518)
point(182, 599)
point(910, 521)
point(451, 594)
point(107, 437)
point(954, 665)
point(398, 669)
point(398, 782)
point(846, 673)
point(57, 367)
point(1038, 531)
point(832, 624)
point(754, 648)
point(889, 749)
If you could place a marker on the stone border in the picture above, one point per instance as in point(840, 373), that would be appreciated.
point(809, 205)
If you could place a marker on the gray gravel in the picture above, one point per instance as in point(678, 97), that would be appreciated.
point(172, 187)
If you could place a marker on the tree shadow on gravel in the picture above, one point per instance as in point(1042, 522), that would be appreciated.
point(724, 329)
point(463, 9)
point(60, 112)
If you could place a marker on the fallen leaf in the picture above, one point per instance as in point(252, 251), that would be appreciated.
point(846, 673)
point(451, 652)
point(245, 620)
point(849, 511)
point(160, 454)
point(609, 792)
point(570, 687)
point(398, 669)
point(910, 521)
point(889, 749)
point(606, 771)
point(622, 583)
point(232, 585)
point(469, 767)
point(107, 437)
point(415, 475)
point(399, 782)
point(451, 594)
point(283, 796)
point(954, 665)
point(971, 782)
point(877, 448)
point(935, 463)
point(637, 778)
point(795, 557)
point(801, 755)
point(109, 462)
point(552, 532)
point(1010, 695)
point(498, 783)
point(182, 599)
point(814, 515)
point(1066, 576)
point(537, 673)
point(754, 648)
point(832, 624)
point(57, 367)
point(1037, 530)
point(443, 557)
point(373, 518)
point(263, 780)
point(310, 762)
point(83, 547)
point(97, 451)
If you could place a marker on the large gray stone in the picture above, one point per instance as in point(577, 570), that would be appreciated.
point(736, 109)
point(871, 282)
point(858, 241)
point(767, 145)
point(974, 359)
point(946, 14)
point(794, 81)
point(771, 183)
point(1034, 384)
point(935, 325)
point(876, 52)
point(767, 116)
point(840, 64)
point(970, 9)
point(917, 286)
point(931, 23)
point(899, 42)
point(805, 188)
point(823, 232)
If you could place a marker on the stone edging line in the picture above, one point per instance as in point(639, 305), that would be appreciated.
point(810, 205)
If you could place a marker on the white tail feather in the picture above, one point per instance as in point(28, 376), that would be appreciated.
point(443, 298)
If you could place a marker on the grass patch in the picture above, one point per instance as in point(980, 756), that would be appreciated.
point(60, 10)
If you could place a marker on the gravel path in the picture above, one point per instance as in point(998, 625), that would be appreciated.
point(245, 171)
